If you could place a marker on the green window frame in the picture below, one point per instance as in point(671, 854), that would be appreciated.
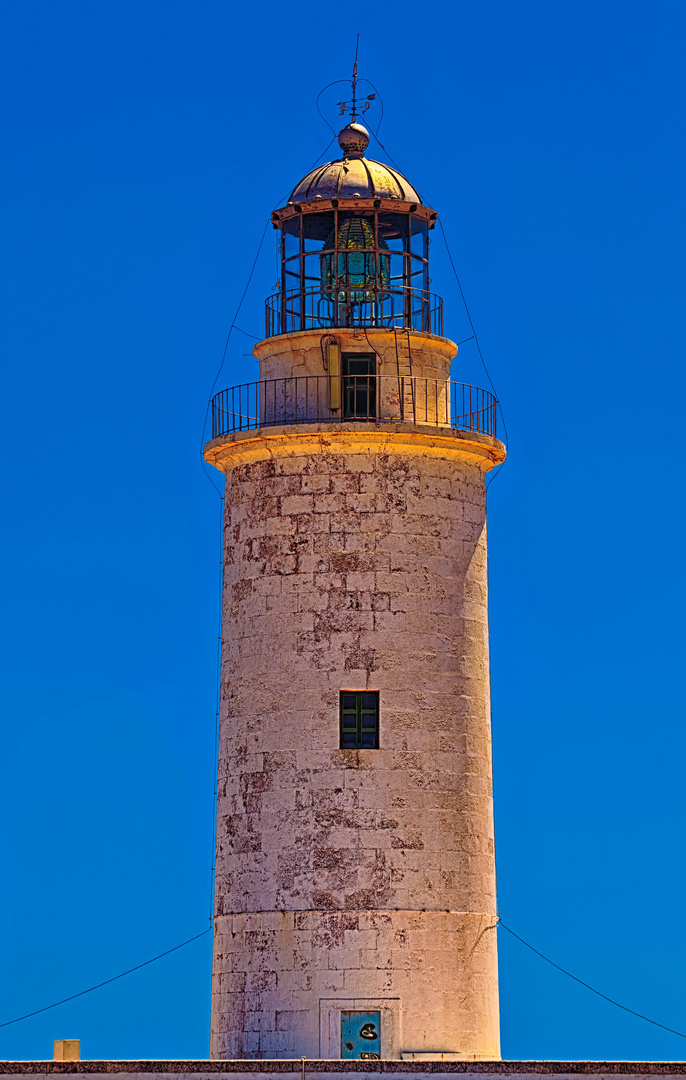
point(359, 720)
point(359, 386)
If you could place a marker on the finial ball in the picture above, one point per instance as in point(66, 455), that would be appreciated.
point(353, 140)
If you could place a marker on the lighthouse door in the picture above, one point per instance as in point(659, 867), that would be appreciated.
point(361, 1035)
point(359, 386)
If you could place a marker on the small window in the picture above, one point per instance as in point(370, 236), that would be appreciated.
point(359, 719)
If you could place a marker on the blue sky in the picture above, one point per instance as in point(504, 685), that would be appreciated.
point(144, 145)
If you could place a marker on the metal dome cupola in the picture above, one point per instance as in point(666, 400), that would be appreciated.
point(354, 248)
point(353, 176)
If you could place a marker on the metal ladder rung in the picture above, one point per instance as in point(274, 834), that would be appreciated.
point(403, 352)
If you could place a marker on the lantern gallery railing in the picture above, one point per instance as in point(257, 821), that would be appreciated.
point(360, 305)
point(321, 399)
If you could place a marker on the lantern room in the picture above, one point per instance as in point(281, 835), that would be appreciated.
point(354, 249)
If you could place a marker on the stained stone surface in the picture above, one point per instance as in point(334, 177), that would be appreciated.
point(299, 354)
point(340, 873)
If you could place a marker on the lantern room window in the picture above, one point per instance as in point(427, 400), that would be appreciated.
point(354, 248)
point(353, 267)
point(354, 251)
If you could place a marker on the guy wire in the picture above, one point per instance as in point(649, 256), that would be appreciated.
point(589, 987)
point(246, 334)
point(159, 956)
point(476, 342)
point(234, 326)
point(469, 317)
point(105, 981)
point(233, 322)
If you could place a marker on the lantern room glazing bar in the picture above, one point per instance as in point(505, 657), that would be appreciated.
point(373, 306)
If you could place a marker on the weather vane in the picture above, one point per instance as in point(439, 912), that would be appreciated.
point(352, 106)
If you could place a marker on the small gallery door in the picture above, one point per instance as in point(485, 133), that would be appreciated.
point(359, 386)
point(361, 1035)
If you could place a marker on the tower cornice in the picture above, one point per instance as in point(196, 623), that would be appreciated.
point(352, 337)
point(247, 447)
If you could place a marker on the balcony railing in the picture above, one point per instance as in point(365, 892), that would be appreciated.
point(321, 399)
point(364, 305)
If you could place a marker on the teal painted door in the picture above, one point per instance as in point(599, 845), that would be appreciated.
point(361, 1035)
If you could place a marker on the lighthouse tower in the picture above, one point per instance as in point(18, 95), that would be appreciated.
point(355, 878)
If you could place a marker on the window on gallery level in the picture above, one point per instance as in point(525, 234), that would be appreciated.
point(359, 386)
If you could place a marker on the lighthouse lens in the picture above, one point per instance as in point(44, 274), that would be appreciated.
point(353, 267)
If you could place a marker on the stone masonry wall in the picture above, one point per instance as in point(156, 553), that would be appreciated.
point(297, 384)
point(300, 354)
point(273, 971)
point(357, 875)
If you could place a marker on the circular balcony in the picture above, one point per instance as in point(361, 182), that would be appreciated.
point(321, 399)
point(366, 305)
